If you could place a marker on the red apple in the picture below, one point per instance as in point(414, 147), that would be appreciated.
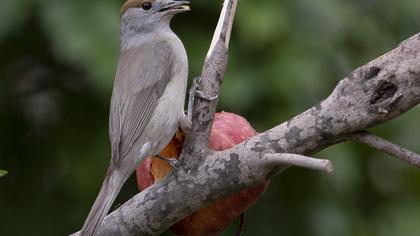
point(228, 130)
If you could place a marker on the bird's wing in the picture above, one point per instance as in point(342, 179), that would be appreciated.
point(142, 76)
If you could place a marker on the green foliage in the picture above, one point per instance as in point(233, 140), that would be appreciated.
point(58, 60)
point(3, 173)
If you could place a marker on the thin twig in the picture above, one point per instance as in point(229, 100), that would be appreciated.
point(386, 146)
point(299, 160)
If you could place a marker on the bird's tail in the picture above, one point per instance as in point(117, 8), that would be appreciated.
point(109, 191)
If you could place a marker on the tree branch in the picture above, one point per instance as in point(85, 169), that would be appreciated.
point(372, 94)
point(196, 143)
point(387, 147)
point(298, 160)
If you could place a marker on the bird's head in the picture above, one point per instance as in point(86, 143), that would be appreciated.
point(151, 14)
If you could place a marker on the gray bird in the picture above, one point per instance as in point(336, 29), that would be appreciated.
point(148, 97)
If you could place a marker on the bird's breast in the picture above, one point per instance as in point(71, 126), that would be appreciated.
point(166, 116)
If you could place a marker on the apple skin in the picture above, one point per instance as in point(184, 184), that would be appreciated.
point(228, 130)
point(144, 174)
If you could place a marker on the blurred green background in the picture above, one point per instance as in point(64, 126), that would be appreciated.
point(57, 64)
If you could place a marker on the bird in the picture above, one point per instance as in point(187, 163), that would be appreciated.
point(148, 95)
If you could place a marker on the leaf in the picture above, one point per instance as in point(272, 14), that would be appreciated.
point(3, 173)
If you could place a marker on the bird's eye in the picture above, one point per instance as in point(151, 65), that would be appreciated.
point(146, 6)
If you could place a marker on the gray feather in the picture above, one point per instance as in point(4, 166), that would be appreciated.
point(141, 79)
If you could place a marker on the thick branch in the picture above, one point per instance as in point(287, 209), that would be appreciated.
point(387, 147)
point(374, 93)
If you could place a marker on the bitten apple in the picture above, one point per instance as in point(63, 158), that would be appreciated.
point(228, 130)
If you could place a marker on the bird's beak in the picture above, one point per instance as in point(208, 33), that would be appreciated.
point(175, 6)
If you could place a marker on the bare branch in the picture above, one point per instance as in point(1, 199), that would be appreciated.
point(203, 110)
point(388, 147)
point(298, 160)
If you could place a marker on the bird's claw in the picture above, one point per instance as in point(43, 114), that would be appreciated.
point(195, 92)
point(204, 96)
point(173, 162)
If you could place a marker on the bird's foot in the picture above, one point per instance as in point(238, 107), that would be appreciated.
point(173, 162)
point(194, 91)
